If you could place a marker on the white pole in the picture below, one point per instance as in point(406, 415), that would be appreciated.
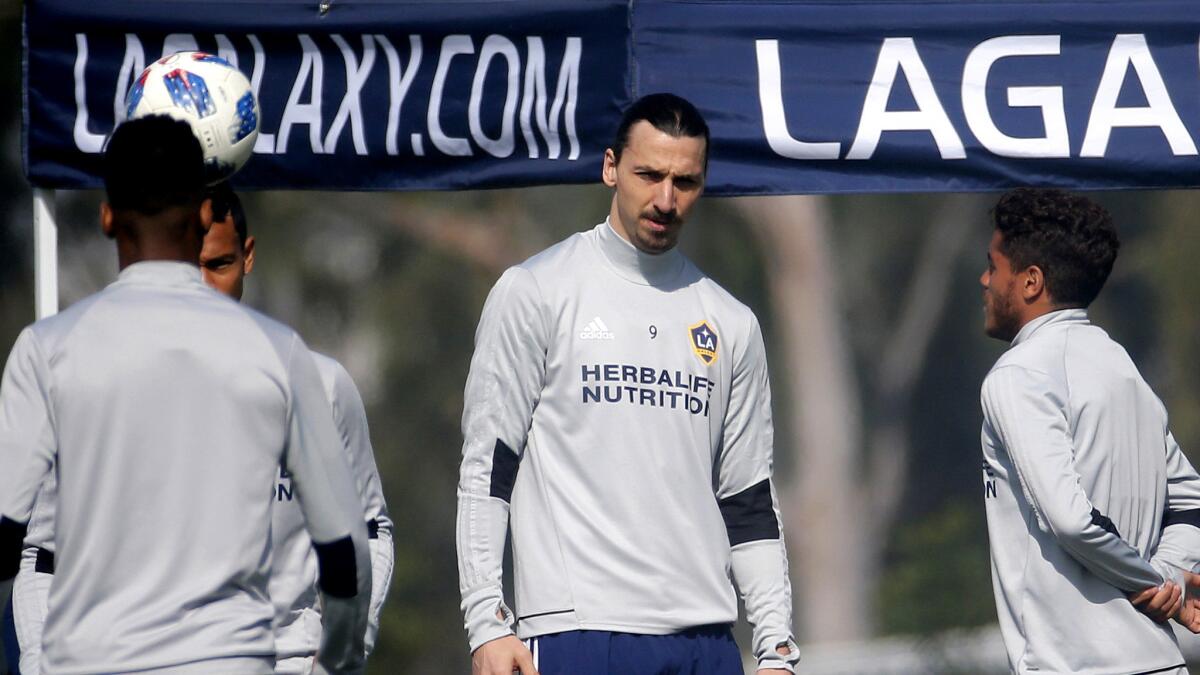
point(45, 254)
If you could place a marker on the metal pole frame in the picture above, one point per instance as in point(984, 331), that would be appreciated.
point(45, 253)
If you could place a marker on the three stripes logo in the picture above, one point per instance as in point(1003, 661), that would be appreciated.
point(596, 330)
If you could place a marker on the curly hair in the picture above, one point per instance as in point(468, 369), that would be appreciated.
point(1071, 238)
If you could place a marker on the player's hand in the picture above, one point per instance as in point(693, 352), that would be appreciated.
point(502, 656)
point(1160, 603)
point(1189, 612)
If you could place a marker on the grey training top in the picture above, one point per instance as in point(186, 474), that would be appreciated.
point(1080, 477)
point(293, 585)
point(618, 418)
point(294, 589)
point(165, 409)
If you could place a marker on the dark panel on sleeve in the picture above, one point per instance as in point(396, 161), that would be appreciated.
point(505, 463)
point(12, 538)
point(335, 563)
point(372, 529)
point(44, 563)
point(1189, 517)
point(749, 514)
point(1104, 523)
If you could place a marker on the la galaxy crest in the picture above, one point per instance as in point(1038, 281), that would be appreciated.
point(704, 342)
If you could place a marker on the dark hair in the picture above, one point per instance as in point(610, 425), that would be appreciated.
point(153, 163)
point(226, 201)
point(1071, 238)
point(669, 114)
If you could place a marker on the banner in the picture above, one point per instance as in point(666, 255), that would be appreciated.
point(802, 97)
point(828, 97)
point(364, 96)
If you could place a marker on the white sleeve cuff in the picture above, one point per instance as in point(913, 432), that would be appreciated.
point(483, 624)
point(773, 659)
point(382, 558)
point(1179, 546)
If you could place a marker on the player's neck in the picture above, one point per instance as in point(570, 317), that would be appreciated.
point(634, 264)
point(163, 237)
point(132, 250)
point(125, 259)
point(1037, 310)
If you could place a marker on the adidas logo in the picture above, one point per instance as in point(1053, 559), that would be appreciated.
point(596, 330)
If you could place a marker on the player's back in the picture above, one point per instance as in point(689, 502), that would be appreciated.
point(170, 404)
point(1120, 434)
point(1057, 615)
point(1117, 424)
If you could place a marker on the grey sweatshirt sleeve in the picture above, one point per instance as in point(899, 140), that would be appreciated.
point(350, 417)
point(1026, 410)
point(751, 509)
point(503, 387)
point(28, 444)
point(332, 513)
point(1179, 547)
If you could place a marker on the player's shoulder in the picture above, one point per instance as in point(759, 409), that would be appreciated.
point(55, 333)
point(270, 327)
point(53, 330)
point(334, 377)
point(260, 330)
point(556, 258)
point(1042, 350)
point(537, 276)
point(1026, 357)
point(728, 308)
point(1028, 366)
point(328, 366)
point(252, 328)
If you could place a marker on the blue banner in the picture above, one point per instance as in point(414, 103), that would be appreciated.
point(802, 97)
point(828, 97)
point(364, 96)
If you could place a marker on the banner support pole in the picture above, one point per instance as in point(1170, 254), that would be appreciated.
point(45, 253)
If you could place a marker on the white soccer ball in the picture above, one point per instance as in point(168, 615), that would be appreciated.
point(208, 93)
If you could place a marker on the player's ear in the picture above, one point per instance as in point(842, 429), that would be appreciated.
point(609, 172)
point(1033, 283)
point(248, 255)
point(106, 220)
point(206, 214)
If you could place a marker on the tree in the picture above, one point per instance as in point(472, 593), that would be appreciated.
point(849, 477)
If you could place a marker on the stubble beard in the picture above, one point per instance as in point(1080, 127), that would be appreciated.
point(649, 241)
point(1003, 323)
point(655, 244)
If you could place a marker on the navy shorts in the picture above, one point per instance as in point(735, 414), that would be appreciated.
point(707, 650)
point(12, 652)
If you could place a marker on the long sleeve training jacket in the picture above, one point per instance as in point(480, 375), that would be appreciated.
point(294, 587)
point(165, 410)
point(618, 418)
point(1080, 477)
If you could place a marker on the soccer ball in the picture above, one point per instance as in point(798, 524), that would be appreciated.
point(212, 96)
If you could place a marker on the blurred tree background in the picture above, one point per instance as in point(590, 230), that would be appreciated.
point(872, 313)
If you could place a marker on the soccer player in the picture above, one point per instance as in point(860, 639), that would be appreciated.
point(164, 409)
point(618, 419)
point(1081, 474)
point(226, 259)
